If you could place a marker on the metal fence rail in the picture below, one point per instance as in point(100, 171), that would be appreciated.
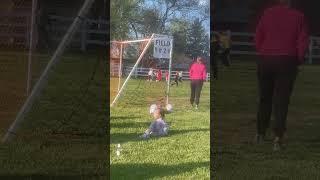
point(243, 44)
point(15, 27)
point(91, 32)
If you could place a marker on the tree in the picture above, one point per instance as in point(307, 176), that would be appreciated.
point(150, 22)
point(197, 40)
point(123, 14)
point(179, 30)
point(169, 9)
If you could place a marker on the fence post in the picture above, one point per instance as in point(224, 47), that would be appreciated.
point(310, 50)
point(84, 35)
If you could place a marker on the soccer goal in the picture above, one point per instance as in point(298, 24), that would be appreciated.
point(24, 36)
point(148, 71)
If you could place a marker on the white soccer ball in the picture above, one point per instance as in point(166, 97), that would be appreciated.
point(153, 107)
point(169, 107)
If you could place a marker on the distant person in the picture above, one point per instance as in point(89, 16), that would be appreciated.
point(215, 53)
point(176, 79)
point(167, 76)
point(180, 76)
point(225, 44)
point(150, 74)
point(281, 41)
point(159, 75)
point(43, 24)
point(197, 74)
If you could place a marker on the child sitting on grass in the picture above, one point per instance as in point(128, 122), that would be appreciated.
point(158, 127)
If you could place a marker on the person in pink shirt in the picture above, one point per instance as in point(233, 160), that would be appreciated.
point(281, 41)
point(198, 74)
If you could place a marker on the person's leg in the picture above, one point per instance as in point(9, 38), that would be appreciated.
point(193, 88)
point(265, 88)
point(215, 66)
point(198, 91)
point(284, 83)
point(228, 56)
point(225, 57)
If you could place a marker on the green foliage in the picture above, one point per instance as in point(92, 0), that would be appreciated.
point(197, 40)
point(134, 18)
point(123, 14)
point(179, 29)
point(150, 22)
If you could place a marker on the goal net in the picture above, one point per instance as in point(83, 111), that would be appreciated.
point(137, 78)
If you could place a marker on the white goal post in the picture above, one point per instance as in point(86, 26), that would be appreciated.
point(149, 41)
point(39, 86)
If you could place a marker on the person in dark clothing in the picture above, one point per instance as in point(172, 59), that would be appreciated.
point(180, 74)
point(225, 44)
point(43, 23)
point(176, 79)
point(215, 54)
point(281, 41)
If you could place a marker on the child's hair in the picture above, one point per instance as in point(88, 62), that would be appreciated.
point(162, 112)
point(161, 105)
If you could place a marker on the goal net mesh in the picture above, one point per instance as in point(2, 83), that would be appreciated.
point(147, 83)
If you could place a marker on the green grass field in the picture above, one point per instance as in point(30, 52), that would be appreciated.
point(50, 144)
point(235, 155)
point(183, 154)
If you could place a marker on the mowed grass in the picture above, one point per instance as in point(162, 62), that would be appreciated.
point(183, 154)
point(53, 142)
point(235, 155)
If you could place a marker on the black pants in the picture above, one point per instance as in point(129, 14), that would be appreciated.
point(214, 51)
point(175, 82)
point(225, 57)
point(196, 86)
point(276, 77)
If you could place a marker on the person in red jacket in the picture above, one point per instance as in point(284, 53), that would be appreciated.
point(159, 75)
point(197, 75)
point(281, 41)
point(167, 75)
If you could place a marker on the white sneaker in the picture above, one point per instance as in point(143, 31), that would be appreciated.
point(196, 106)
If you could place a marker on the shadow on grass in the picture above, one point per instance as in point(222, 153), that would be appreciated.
point(183, 131)
point(130, 137)
point(148, 171)
point(49, 177)
point(129, 124)
point(117, 118)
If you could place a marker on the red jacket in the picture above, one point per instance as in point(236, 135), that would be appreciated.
point(159, 75)
point(198, 71)
point(282, 31)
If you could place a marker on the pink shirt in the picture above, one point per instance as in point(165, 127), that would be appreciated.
point(282, 31)
point(197, 72)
